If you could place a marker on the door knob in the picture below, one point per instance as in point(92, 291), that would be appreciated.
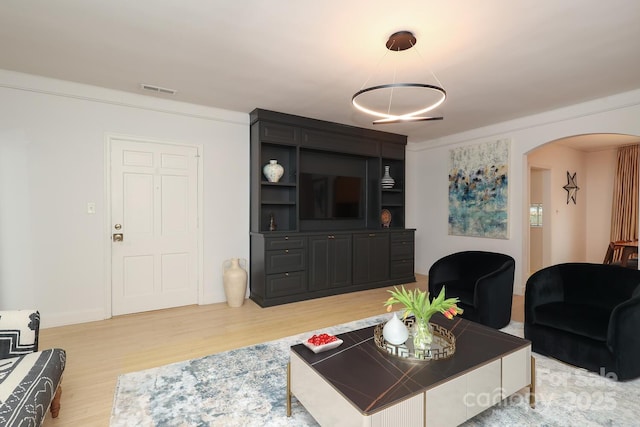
point(118, 237)
point(117, 226)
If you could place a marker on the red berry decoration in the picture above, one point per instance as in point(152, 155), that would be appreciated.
point(321, 339)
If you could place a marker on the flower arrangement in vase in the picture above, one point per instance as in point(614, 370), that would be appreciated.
point(418, 304)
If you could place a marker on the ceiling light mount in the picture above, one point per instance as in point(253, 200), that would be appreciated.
point(402, 40)
point(373, 100)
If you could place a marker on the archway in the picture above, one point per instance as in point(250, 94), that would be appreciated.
point(574, 229)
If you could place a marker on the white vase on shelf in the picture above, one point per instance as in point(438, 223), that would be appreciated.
point(387, 181)
point(394, 331)
point(273, 171)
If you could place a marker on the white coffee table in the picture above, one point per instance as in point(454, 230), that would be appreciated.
point(357, 384)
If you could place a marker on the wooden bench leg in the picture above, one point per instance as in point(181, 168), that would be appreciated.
point(289, 389)
point(532, 386)
point(55, 403)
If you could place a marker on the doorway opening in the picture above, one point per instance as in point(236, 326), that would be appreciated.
point(571, 232)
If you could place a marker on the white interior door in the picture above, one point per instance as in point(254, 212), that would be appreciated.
point(154, 210)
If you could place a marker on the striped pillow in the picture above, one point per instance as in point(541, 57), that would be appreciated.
point(18, 332)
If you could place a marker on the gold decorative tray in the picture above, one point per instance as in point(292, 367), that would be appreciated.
point(443, 345)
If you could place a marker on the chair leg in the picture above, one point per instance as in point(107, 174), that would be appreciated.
point(55, 403)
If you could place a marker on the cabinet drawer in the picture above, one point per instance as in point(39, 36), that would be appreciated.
point(285, 242)
point(402, 236)
point(280, 285)
point(401, 268)
point(285, 260)
point(402, 250)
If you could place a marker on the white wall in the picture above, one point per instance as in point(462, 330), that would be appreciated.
point(567, 220)
point(428, 164)
point(53, 255)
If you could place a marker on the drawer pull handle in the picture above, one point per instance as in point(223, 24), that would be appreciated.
point(372, 235)
point(286, 237)
point(286, 251)
point(286, 274)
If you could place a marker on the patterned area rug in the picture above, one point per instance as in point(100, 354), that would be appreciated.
point(247, 387)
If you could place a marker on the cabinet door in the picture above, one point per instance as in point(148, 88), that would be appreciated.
point(271, 132)
point(329, 261)
point(318, 262)
point(341, 261)
point(371, 257)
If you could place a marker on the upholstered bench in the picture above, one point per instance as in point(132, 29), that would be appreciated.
point(29, 379)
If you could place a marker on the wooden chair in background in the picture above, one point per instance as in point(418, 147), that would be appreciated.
point(622, 253)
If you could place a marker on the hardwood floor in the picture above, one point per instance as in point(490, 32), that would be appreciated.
point(97, 352)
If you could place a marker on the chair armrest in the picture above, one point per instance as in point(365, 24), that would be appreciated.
point(624, 325)
point(543, 287)
point(499, 281)
point(19, 330)
point(622, 338)
point(493, 296)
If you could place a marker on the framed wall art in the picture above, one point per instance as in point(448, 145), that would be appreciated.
point(479, 190)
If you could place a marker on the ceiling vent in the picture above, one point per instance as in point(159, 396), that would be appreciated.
point(158, 89)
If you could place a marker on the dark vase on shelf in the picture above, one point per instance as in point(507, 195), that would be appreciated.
point(272, 223)
point(387, 181)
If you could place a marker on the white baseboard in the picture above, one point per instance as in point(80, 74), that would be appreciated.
point(51, 320)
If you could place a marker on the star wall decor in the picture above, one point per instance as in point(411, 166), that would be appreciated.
point(571, 187)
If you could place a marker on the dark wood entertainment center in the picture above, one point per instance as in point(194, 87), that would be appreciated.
point(319, 250)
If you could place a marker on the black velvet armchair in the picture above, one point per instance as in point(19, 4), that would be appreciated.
point(587, 315)
point(483, 281)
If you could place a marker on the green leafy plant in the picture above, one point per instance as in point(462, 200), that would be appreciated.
point(417, 303)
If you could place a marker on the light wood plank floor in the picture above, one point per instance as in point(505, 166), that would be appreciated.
point(97, 352)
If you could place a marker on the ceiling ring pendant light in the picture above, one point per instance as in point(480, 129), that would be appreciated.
point(399, 41)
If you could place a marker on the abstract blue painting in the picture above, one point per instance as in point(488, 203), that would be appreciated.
point(479, 190)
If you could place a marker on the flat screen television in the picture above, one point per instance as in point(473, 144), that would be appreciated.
point(324, 196)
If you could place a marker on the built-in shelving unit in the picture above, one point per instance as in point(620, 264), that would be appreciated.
point(393, 198)
point(294, 256)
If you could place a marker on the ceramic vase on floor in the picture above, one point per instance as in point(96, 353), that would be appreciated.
point(234, 278)
point(273, 171)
